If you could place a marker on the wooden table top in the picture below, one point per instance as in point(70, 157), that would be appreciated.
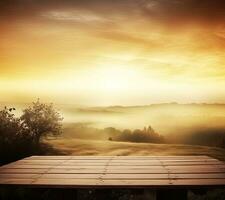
point(114, 171)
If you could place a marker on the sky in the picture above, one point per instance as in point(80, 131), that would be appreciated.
point(112, 52)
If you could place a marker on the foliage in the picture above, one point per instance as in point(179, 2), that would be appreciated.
point(87, 132)
point(14, 137)
point(138, 135)
point(21, 136)
point(40, 120)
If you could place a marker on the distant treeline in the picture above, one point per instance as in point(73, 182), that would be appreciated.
point(145, 135)
point(193, 136)
point(84, 131)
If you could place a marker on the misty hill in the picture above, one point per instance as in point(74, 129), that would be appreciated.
point(166, 119)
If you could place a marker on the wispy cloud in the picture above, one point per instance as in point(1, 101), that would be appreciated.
point(169, 42)
point(175, 12)
point(74, 16)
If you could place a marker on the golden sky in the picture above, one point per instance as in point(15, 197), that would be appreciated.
point(104, 52)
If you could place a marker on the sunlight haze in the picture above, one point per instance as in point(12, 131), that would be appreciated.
point(103, 53)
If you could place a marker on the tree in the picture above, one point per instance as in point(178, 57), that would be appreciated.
point(40, 120)
point(14, 137)
point(20, 136)
point(11, 128)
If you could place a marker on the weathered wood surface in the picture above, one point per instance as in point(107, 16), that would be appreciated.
point(114, 171)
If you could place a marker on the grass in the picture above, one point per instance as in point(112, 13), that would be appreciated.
point(71, 146)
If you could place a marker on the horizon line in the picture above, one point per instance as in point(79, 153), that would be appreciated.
point(118, 105)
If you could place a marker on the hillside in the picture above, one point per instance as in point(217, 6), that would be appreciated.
point(100, 147)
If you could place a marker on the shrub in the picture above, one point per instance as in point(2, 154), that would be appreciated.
point(21, 136)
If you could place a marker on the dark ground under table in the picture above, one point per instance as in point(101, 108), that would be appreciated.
point(158, 177)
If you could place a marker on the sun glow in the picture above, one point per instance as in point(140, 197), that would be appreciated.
point(114, 79)
point(111, 53)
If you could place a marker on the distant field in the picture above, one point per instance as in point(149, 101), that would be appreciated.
point(100, 147)
point(168, 118)
point(164, 118)
point(174, 121)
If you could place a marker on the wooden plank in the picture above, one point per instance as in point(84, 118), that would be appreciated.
point(105, 176)
point(164, 176)
point(132, 176)
point(68, 157)
point(109, 167)
point(118, 163)
point(114, 176)
point(97, 182)
point(66, 182)
point(196, 171)
point(19, 176)
point(136, 171)
point(200, 182)
point(159, 167)
point(115, 157)
point(194, 166)
point(164, 182)
point(120, 160)
point(193, 163)
point(72, 171)
point(22, 171)
point(72, 176)
point(137, 183)
point(180, 167)
point(11, 181)
point(75, 171)
point(120, 171)
point(175, 171)
point(114, 171)
point(126, 170)
point(198, 176)
point(80, 183)
point(150, 160)
point(52, 166)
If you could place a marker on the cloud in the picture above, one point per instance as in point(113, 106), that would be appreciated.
point(181, 12)
point(127, 25)
point(126, 37)
point(24, 8)
point(75, 16)
point(164, 12)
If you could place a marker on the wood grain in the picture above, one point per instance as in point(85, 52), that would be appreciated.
point(114, 171)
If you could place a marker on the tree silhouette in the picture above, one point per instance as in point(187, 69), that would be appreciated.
point(40, 120)
point(14, 137)
point(20, 136)
point(138, 135)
